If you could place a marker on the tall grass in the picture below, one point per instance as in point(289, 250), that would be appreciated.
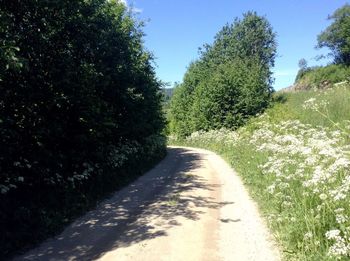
point(295, 160)
point(289, 106)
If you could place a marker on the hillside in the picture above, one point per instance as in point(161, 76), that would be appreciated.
point(321, 77)
point(294, 158)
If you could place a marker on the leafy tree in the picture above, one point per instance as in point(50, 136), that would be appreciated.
point(337, 36)
point(249, 38)
point(231, 80)
point(303, 69)
point(181, 102)
point(79, 103)
point(236, 91)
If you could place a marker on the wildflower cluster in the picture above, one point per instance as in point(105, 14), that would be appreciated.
point(310, 170)
point(320, 103)
point(315, 104)
point(306, 173)
point(223, 135)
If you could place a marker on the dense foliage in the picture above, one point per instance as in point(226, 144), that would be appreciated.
point(79, 104)
point(336, 36)
point(231, 80)
point(321, 77)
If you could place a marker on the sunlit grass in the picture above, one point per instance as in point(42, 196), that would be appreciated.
point(295, 162)
point(289, 106)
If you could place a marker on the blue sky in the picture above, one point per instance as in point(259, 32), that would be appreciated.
point(175, 29)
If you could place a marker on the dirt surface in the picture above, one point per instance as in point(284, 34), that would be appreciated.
point(192, 206)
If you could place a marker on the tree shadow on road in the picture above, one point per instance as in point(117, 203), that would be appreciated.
point(163, 194)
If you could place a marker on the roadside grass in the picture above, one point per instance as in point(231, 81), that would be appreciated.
point(289, 106)
point(295, 161)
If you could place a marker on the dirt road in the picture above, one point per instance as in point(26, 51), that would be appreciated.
point(192, 206)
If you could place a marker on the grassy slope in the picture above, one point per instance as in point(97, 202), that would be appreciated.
point(321, 77)
point(247, 160)
point(289, 106)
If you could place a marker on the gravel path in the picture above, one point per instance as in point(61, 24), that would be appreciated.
point(191, 206)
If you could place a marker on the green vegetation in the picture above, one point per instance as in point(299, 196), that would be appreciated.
point(321, 77)
point(80, 112)
point(288, 106)
point(336, 36)
point(231, 80)
point(294, 158)
point(81, 115)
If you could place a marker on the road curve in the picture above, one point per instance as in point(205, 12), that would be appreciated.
point(191, 206)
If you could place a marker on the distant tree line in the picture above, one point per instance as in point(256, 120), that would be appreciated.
point(230, 82)
point(80, 111)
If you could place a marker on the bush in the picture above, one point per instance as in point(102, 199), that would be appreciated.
point(236, 91)
point(230, 82)
point(79, 105)
point(322, 77)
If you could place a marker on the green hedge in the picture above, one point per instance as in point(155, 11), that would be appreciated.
point(80, 107)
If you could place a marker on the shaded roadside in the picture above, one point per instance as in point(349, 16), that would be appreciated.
point(124, 219)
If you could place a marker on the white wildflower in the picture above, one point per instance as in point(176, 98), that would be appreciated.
point(323, 196)
point(308, 235)
point(341, 218)
point(271, 189)
point(332, 234)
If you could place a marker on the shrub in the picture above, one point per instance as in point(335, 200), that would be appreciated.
point(79, 104)
point(230, 82)
point(322, 77)
point(236, 91)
